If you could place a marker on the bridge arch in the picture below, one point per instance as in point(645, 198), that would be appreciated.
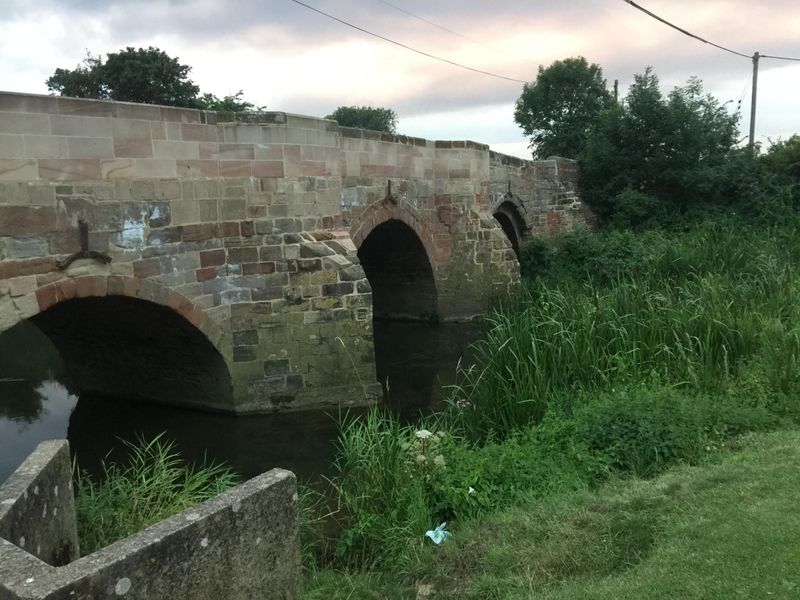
point(134, 339)
point(509, 214)
point(397, 249)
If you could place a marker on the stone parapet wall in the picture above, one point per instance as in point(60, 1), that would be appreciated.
point(37, 507)
point(545, 193)
point(240, 545)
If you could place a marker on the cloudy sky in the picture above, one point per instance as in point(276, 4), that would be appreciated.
point(289, 58)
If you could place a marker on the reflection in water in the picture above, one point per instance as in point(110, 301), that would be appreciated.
point(414, 362)
point(35, 394)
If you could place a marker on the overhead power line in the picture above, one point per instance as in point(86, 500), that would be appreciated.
point(452, 32)
point(698, 38)
point(401, 45)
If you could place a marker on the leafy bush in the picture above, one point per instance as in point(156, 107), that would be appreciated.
point(672, 149)
point(535, 258)
point(153, 484)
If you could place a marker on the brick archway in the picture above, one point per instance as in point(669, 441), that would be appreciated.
point(391, 209)
point(100, 286)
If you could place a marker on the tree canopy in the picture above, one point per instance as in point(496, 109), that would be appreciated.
point(365, 117)
point(558, 109)
point(145, 75)
point(653, 153)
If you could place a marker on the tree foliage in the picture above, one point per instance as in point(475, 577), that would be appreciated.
point(234, 103)
point(653, 155)
point(558, 109)
point(144, 75)
point(365, 117)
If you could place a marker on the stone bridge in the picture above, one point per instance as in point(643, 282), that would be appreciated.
point(235, 262)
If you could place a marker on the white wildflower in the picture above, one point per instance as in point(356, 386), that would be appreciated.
point(423, 434)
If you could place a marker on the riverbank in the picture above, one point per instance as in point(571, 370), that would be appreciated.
point(724, 529)
point(624, 356)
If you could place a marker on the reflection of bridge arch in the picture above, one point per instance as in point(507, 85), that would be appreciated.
point(507, 212)
point(135, 339)
point(397, 249)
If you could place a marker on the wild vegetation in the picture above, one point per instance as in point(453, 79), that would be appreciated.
point(152, 483)
point(651, 346)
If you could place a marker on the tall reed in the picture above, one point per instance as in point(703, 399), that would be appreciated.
point(692, 315)
point(151, 485)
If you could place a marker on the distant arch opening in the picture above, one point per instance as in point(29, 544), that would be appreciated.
point(512, 223)
point(133, 349)
point(400, 273)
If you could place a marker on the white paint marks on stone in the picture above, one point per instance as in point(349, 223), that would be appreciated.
point(22, 542)
point(258, 541)
point(123, 586)
point(192, 516)
point(55, 511)
point(38, 550)
point(55, 491)
point(29, 581)
point(44, 510)
point(36, 490)
point(294, 497)
point(236, 506)
point(204, 542)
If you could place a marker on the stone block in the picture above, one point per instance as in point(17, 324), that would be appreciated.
point(90, 147)
point(37, 511)
point(239, 545)
point(12, 146)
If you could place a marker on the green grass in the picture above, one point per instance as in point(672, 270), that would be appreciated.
point(639, 354)
point(696, 310)
point(725, 529)
point(151, 485)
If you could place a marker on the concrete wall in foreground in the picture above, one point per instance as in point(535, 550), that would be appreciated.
point(243, 544)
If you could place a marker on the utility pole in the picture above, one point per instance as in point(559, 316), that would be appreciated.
point(756, 56)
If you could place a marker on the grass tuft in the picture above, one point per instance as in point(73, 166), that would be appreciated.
point(153, 484)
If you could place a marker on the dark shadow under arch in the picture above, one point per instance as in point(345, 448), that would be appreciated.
point(117, 346)
point(400, 273)
point(512, 223)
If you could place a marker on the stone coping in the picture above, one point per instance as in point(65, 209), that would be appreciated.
point(242, 543)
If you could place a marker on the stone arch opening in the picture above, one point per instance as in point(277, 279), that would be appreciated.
point(117, 346)
point(512, 223)
point(398, 269)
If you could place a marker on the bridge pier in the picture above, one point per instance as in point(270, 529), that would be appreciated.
point(247, 234)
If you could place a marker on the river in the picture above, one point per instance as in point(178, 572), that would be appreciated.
point(38, 401)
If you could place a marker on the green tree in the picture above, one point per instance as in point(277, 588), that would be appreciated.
point(558, 109)
point(234, 103)
point(654, 155)
point(365, 117)
point(145, 75)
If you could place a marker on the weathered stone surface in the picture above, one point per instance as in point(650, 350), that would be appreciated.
point(265, 218)
point(242, 544)
point(37, 510)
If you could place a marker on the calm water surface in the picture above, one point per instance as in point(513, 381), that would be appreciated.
point(38, 401)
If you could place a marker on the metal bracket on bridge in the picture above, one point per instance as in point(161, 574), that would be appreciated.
point(389, 198)
point(84, 252)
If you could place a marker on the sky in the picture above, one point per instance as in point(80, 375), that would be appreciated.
point(289, 58)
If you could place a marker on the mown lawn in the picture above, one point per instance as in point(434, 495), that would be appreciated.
point(729, 528)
